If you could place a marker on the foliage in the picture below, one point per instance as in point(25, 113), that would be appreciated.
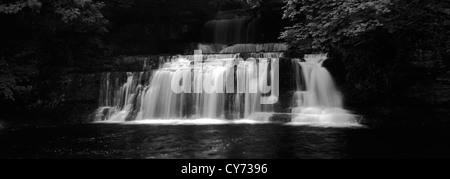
point(41, 34)
point(378, 40)
point(329, 21)
point(318, 25)
point(75, 13)
point(8, 82)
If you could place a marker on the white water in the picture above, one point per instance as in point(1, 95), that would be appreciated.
point(118, 95)
point(232, 91)
point(264, 48)
point(204, 121)
point(318, 102)
point(247, 48)
point(148, 98)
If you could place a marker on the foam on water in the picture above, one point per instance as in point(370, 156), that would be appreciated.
point(205, 121)
point(325, 117)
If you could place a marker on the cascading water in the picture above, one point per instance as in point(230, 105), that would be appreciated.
point(242, 48)
point(238, 34)
point(248, 48)
point(317, 100)
point(231, 31)
point(119, 95)
point(191, 87)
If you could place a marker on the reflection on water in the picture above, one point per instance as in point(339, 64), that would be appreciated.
point(234, 141)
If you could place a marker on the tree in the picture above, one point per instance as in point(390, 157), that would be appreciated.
point(321, 24)
point(378, 39)
point(326, 22)
point(83, 15)
point(44, 32)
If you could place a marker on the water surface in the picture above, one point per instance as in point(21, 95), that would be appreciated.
point(223, 141)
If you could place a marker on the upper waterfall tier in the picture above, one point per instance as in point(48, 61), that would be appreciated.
point(253, 27)
point(146, 63)
point(248, 48)
point(242, 48)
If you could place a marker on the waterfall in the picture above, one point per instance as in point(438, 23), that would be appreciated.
point(211, 48)
point(231, 31)
point(119, 94)
point(319, 90)
point(237, 36)
point(247, 48)
point(215, 86)
point(317, 101)
point(222, 87)
point(242, 48)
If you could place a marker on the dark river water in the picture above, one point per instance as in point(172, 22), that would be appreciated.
point(235, 141)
